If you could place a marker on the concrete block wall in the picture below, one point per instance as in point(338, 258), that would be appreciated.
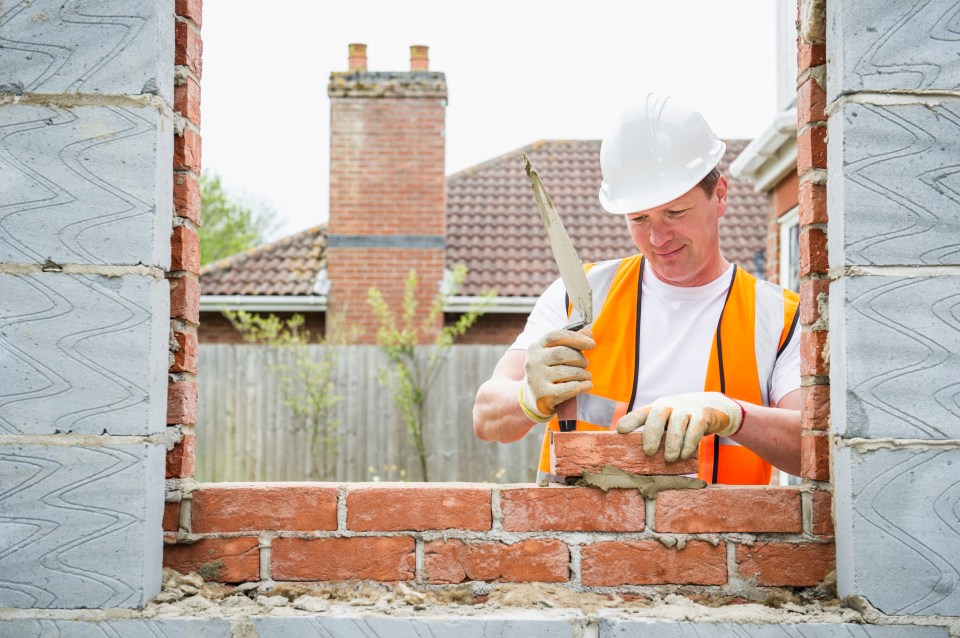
point(894, 138)
point(738, 541)
point(86, 142)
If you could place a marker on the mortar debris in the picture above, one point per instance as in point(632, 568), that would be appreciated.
point(190, 595)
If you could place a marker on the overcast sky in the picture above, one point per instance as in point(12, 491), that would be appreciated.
point(517, 71)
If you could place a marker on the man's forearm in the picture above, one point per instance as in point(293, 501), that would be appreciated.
point(773, 434)
point(497, 415)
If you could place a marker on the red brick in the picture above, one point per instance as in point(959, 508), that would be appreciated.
point(815, 409)
point(188, 48)
point(815, 456)
point(186, 197)
point(186, 151)
point(810, 55)
point(729, 509)
point(649, 562)
point(182, 402)
point(579, 452)
point(813, 252)
point(573, 509)
point(223, 560)
point(186, 100)
point(171, 517)
point(813, 203)
point(812, 353)
point(533, 560)
point(182, 459)
point(822, 514)
point(185, 250)
point(400, 506)
point(811, 102)
point(185, 356)
point(385, 559)
point(192, 9)
point(812, 149)
point(786, 564)
point(785, 195)
point(810, 291)
point(185, 299)
point(297, 507)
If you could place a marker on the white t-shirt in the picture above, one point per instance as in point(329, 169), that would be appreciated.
point(677, 328)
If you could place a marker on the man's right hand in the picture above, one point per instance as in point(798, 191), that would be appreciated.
point(555, 370)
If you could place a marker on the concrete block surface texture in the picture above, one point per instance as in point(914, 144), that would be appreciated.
point(80, 526)
point(895, 357)
point(131, 628)
point(880, 45)
point(83, 354)
point(894, 174)
point(525, 624)
point(898, 528)
point(88, 46)
point(624, 627)
point(87, 185)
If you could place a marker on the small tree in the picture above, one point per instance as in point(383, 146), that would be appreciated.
point(412, 369)
point(229, 225)
point(306, 384)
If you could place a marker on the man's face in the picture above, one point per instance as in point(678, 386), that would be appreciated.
point(681, 238)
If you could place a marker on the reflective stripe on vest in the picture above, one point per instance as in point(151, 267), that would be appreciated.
point(757, 321)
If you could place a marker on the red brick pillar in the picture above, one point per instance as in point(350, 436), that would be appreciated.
point(184, 274)
point(814, 280)
point(387, 188)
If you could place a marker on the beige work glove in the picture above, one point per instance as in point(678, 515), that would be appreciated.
point(555, 372)
point(687, 419)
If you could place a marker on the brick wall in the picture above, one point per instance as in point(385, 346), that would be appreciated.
point(741, 539)
point(387, 187)
point(184, 273)
point(214, 327)
point(493, 328)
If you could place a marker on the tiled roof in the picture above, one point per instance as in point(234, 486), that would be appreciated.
point(494, 228)
point(285, 267)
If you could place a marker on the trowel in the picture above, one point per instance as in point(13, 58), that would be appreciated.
point(571, 273)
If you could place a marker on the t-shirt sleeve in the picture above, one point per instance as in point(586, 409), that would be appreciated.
point(549, 313)
point(786, 372)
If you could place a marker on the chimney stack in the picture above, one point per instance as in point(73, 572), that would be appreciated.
point(387, 186)
point(419, 61)
point(358, 57)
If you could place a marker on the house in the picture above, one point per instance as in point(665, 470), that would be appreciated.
point(393, 209)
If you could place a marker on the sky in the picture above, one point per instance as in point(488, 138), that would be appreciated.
point(517, 71)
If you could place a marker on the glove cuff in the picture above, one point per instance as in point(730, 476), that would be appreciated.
point(736, 412)
point(526, 398)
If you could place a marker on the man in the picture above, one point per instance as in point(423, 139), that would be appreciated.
point(714, 363)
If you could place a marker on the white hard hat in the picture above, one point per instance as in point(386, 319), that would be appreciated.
point(659, 150)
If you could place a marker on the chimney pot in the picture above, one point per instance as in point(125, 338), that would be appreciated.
point(419, 61)
point(358, 57)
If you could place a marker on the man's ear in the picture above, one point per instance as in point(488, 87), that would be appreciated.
point(720, 193)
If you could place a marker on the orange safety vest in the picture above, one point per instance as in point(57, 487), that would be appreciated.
point(756, 323)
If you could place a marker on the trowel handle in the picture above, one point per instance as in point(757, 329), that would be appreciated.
point(567, 415)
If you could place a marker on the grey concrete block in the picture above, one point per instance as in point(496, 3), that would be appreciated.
point(888, 45)
point(898, 528)
point(88, 185)
point(132, 628)
point(895, 357)
point(88, 46)
point(83, 353)
point(80, 526)
point(895, 176)
point(521, 624)
point(634, 627)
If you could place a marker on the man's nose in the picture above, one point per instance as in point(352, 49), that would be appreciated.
point(659, 235)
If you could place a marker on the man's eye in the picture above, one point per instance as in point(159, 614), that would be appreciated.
point(638, 220)
point(675, 213)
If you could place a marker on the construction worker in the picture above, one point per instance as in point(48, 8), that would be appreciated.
point(693, 349)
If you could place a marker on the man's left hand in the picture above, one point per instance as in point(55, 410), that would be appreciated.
point(687, 418)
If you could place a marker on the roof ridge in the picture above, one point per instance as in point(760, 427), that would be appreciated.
point(229, 261)
point(499, 158)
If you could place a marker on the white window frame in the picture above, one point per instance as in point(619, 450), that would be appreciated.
point(786, 54)
point(789, 260)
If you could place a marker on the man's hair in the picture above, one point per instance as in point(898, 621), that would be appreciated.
point(709, 182)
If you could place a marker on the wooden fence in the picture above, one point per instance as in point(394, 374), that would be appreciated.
point(246, 432)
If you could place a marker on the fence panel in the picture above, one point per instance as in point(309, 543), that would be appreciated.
point(247, 432)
